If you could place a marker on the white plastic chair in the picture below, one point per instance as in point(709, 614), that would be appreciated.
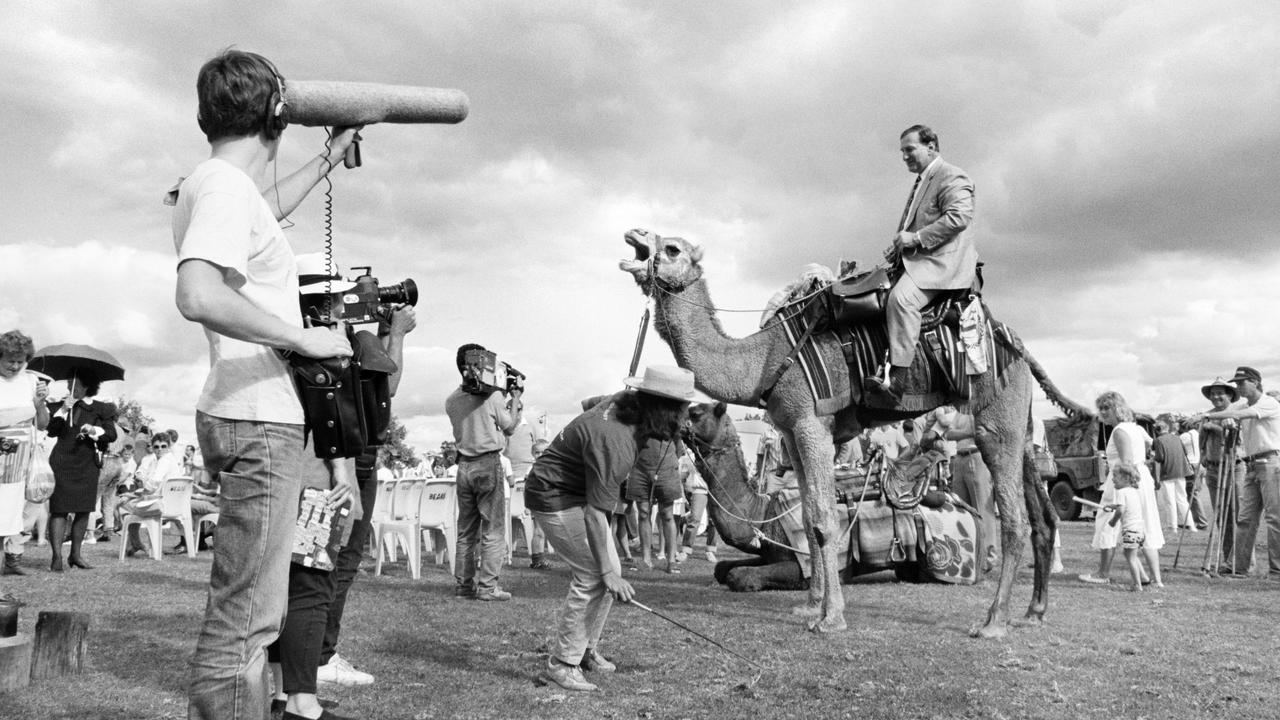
point(381, 513)
point(438, 512)
point(175, 507)
point(403, 525)
point(519, 514)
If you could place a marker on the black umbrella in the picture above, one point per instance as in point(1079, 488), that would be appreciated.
point(59, 361)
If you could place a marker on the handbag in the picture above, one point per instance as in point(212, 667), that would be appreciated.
point(859, 298)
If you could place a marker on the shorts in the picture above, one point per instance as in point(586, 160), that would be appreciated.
point(1131, 540)
point(663, 491)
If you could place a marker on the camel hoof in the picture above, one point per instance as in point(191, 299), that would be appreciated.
point(828, 625)
point(989, 632)
point(807, 610)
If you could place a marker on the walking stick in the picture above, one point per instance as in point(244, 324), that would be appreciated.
point(688, 629)
point(1213, 550)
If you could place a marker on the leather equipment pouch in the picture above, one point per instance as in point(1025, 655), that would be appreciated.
point(859, 298)
point(329, 391)
point(376, 368)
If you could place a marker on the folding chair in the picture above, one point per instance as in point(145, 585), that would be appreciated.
point(438, 512)
point(175, 507)
point(403, 525)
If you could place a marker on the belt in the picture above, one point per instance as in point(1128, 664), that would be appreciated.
point(966, 452)
point(1265, 455)
point(482, 455)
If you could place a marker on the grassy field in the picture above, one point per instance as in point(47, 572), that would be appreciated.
point(1199, 648)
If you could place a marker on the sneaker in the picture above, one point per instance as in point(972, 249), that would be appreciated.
point(496, 595)
point(711, 556)
point(593, 661)
point(568, 677)
point(340, 672)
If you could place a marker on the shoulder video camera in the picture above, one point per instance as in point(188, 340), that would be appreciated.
point(483, 372)
point(370, 302)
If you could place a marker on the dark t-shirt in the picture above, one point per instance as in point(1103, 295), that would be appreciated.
point(584, 465)
point(1168, 451)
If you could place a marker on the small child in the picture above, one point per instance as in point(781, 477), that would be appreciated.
point(1127, 510)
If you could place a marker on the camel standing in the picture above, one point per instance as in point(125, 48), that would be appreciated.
point(734, 370)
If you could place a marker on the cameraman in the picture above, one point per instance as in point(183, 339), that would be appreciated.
point(481, 424)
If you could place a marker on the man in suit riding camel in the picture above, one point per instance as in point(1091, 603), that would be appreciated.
point(930, 249)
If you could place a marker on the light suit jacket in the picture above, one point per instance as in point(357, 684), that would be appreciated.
point(946, 258)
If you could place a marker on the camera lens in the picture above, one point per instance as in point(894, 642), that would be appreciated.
point(401, 293)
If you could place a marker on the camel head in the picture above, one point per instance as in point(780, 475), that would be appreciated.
point(670, 262)
point(710, 424)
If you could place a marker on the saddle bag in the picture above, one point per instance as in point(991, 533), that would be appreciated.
point(859, 298)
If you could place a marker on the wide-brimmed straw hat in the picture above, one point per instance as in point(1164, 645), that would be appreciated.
point(1225, 386)
point(670, 382)
point(317, 273)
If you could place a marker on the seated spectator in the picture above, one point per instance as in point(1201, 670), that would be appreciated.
point(204, 500)
point(142, 496)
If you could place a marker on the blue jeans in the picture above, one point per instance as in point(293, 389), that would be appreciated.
point(259, 466)
point(482, 517)
point(586, 607)
point(1259, 501)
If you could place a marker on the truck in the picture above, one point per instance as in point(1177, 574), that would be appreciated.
point(1078, 446)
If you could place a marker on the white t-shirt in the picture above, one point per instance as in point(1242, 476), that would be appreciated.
point(1129, 504)
point(16, 395)
point(220, 217)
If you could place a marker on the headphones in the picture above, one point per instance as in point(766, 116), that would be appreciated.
point(275, 116)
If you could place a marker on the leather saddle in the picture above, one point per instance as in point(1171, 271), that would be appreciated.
point(860, 298)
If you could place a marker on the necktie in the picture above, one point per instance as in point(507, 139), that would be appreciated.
point(902, 224)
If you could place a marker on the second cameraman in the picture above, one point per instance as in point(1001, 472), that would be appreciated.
point(482, 418)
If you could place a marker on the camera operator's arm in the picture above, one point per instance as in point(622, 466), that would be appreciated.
point(285, 195)
point(403, 321)
point(205, 297)
point(507, 414)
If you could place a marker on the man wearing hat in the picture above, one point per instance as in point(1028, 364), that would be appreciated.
point(1259, 418)
point(574, 488)
point(1214, 452)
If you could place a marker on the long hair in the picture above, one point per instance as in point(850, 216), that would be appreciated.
point(652, 416)
point(1115, 401)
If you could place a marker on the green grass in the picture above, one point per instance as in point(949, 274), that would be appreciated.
point(1199, 648)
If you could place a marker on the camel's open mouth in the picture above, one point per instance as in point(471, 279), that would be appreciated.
point(642, 241)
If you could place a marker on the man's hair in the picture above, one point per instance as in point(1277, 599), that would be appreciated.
point(1116, 401)
point(15, 343)
point(925, 133)
point(235, 90)
point(462, 353)
point(652, 416)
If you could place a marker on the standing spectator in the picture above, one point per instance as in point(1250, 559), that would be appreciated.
point(574, 487)
point(22, 407)
point(524, 446)
point(110, 476)
point(1126, 511)
point(1221, 463)
point(971, 480)
point(889, 440)
point(1172, 471)
point(1128, 443)
point(655, 478)
point(1260, 492)
point(1190, 437)
point(481, 424)
point(237, 278)
point(143, 498)
point(695, 487)
point(83, 427)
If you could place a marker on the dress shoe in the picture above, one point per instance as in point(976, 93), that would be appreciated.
point(568, 677)
point(76, 561)
point(464, 590)
point(56, 564)
point(887, 393)
point(324, 715)
point(593, 661)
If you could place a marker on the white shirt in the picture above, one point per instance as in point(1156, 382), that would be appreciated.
point(221, 218)
point(1260, 431)
point(155, 470)
point(17, 395)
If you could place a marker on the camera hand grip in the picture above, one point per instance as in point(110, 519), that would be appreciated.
point(352, 157)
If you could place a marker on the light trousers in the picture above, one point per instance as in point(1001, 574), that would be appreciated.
point(906, 300)
point(586, 607)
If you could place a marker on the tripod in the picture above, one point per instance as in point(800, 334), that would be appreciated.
point(1225, 511)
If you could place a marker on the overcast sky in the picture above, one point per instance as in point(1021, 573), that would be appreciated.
point(1124, 154)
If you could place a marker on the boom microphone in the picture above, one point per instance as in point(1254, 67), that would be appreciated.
point(319, 102)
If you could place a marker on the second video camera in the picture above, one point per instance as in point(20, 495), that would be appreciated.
point(483, 372)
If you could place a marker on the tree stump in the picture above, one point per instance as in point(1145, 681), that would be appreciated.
point(60, 646)
point(15, 662)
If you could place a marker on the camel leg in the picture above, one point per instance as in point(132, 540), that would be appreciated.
point(815, 456)
point(812, 607)
point(1001, 436)
point(1044, 522)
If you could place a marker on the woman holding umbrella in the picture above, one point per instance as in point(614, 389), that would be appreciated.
point(82, 426)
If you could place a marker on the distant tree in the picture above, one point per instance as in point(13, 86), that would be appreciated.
point(396, 451)
point(133, 418)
